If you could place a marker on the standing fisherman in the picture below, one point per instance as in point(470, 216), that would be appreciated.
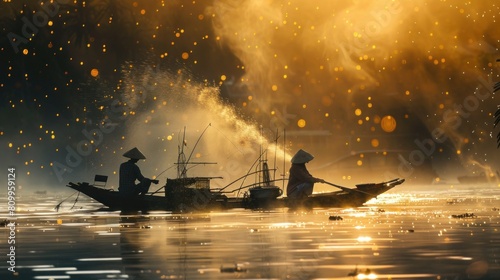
point(130, 173)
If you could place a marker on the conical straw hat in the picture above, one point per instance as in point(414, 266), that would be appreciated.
point(134, 154)
point(302, 157)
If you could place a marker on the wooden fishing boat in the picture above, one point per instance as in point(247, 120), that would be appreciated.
point(194, 195)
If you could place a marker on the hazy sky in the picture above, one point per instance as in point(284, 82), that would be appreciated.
point(374, 89)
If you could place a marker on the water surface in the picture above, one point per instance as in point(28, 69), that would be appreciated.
point(417, 235)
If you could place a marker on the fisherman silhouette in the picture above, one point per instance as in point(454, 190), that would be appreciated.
point(300, 181)
point(130, 173)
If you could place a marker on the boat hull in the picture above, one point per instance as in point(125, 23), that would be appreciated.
point(183, 199)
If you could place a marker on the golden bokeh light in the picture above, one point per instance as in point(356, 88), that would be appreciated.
point(301, 123)
point(375, 143)
point(388, 123)
point(94, 72)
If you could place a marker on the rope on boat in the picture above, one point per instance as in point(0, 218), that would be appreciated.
point(242, 177)
point(183, 174)
point(248, 173)
point(60, 203)
point(76, 200)
point(252, 185)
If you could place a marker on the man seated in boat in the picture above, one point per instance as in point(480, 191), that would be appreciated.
point(300, 181)
point(130, 173)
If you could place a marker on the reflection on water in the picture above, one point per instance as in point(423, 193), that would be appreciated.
point(398, 237)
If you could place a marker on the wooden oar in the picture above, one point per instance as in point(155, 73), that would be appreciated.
point(347, 189)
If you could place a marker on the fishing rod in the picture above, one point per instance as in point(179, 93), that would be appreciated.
point(184, 162)
point(275, 152)
point(156, 177)
point(164, 171)
point(194, 147)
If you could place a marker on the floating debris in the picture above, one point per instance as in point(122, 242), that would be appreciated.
point(354, 272)
point(465, 215)
point(454, 201)
point(368, 274)
point(335, 218)
point(4, 223)
point(232, 269)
